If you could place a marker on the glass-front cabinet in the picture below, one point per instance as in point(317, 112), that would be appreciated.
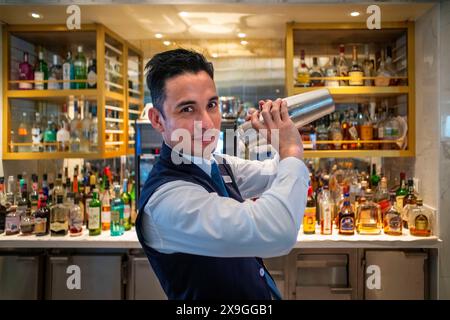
point(370, 74)
point(67, 93)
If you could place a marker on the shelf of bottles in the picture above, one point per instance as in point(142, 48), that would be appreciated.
point(135, 95)
point(64, 93)
point(370, 74)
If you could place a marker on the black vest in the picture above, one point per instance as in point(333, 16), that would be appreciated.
point(189, 276)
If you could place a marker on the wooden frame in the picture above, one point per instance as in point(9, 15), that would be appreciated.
point(101, 94)
point(370, 91)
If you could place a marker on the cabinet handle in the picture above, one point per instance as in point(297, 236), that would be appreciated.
point(26, 259)
point(59, 259)
point(341, 290)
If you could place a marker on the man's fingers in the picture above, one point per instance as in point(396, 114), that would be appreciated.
point(267, 116)
point(256, 124)
point(284, 111)
point(275, 111)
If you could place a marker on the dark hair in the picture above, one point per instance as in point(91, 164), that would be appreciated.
point(169, 64)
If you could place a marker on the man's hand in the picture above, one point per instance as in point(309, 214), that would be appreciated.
point(281, 131)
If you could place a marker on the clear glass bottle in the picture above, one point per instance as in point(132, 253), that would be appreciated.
point(92, 73)
point(346, 218)
point(326, 212)
point(383, 75)
point(368, 215)
point(356, 72)
point(93, 136)
point(26, 73)
point(56, 74)
point(126, 198)
point(63, 135)
point(68, 72)
point(80, 68)
point(391, 131)
point(366, 130)
point(117, 216)
point(86, 129)
point(42, 217)
point(392, 219)
point(50, 135)
point(353, 130)
point(75, 130)
point(335, 131)
point(367, 67)
point(40, 72)
point(75, 216)
point(382, 196)
point(37, 134)
point(331, 71)
point(94, 212)
point(34, 195)
point(374, 119)
point(2, 205)
point(303, 72)
point(390, 66)
point(421, 220)
point(10, 191)
point(316, 72)
point(24, 133)
point(343, 66)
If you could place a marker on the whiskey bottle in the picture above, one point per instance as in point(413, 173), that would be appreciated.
point(408, 202)
point(303, 72)
point(42, 217)
point(12, 221)
point(94, 212)
point(342, 66)
point(117, 227)
point(316, 72)
point(346, 222)
point(59, 213)
point(392, 220)
point(420, 220)
point(369, 215)
point(382, 197)
point(34, 195)
point(331, 71)
point(335, 132)
point(309, 217)
point(356, 73)
point(75, 216)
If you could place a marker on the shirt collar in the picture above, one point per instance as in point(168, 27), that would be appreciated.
point(202, 163)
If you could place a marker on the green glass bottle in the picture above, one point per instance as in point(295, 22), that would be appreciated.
point(117, 207)
point(80, 69)
point(374, 178)
point(40, 72)
point(94, 212)
point(126, 198)
point(133, 213)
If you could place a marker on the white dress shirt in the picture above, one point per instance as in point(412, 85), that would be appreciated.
point(182, 216)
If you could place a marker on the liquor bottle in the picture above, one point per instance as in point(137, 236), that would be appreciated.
point(409, 200)
point(353, 130)
point(316, 72)
point(366, 130)
point(133, 213)
point(106, 207)
point(37, 134)
point(93, 136)
point(335, 131)
point(24, 203)
point(309, 217)
point(34, 195)
point(390, 67)
point(326, 212)
point(367, 66)
point(331, 71)
point(75, 130)
point(94, 213)
point(18, 193)
point(26, 73)
point(10, 192)
point(356, 72)
point(50, 135)
point(12, 221)
point(375, 123)
point(59, 216)
point(86, 129)
point(382, 196)
point(68, 72)
point(56, 74)
point(391, 131)
point(346, 216)
point(24, 133)
point(303, 72)
point(368, 215)
point(40, 72)
point(80, 69)
point(63, 137)
point(110, 126)
point(92, 74)
point(420, 220)
point(126, 198)
point(117, 207)
point(42, 217)
point(26, 223)
point(345, 126)
point(374, 178)
point(321, 134)
point(2, 205)
point(392, 219)
point(342, 66)
point(401, 192)
point(75, 216)
point(382, 77)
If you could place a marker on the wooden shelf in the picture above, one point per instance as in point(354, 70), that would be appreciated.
point(51, 94)
point(357, 153)
point(358, 90)
point(136, 101)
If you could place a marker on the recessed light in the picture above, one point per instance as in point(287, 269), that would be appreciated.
point(244, 42)
point(214, 55)
point(355, 14)
point(158, 35)
point(35, 15)
point(183, 14)
point(241, 35)
point(166, 43)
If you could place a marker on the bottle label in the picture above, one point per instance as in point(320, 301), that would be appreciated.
point(59, 226)
point(22, 131)
point(395, 223)
point(93, 138)
point(353, 132)
point(421, 223)
point(327, 223)
point(347, 224)
point(49, 136)
point(66, 75)
point(106, 216)
point(309, 220)
point(400, 202)
point(36, 135)
point(92, 78)
point(115, 216)
point(366, 133)
point(126, 211)
point(52, 84)
point(380, 133)
point(39, 76)
point(356, 78)
point(12, 224)
point(40, 225)
point(94, 218)
point(303, 78)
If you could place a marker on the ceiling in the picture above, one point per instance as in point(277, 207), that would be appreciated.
point(209, 25)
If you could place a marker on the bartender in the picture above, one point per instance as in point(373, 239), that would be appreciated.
point(204, 237)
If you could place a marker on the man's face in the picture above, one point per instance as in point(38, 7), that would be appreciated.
point(192, 105)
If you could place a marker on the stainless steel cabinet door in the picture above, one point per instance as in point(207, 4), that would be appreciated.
point(19, 277)
point(142, 281)
point(84, 277)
